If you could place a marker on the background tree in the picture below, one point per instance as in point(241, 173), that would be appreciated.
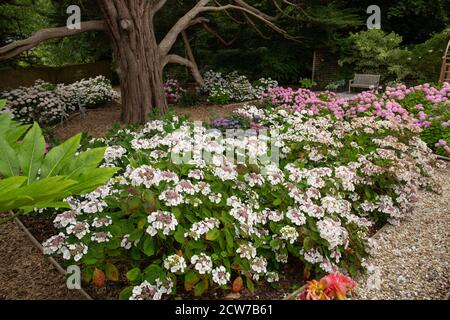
point(141, 57)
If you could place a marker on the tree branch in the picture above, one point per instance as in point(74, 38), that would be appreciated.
point(219, 37)
point(174, 58)
point(190, 55)
point(159, 6)
point(229, 14)
point(245, 5)
point(17, 47)
point(256, 15)
point(169, 40)
point(201, 6)
point(255, 27)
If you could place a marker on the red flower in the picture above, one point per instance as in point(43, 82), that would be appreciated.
point(332, 286)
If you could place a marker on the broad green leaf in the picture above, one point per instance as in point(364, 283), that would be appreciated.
point(179, 235)
point(39, 192)
point(212, 234)
point(149, 246)
point(60, 156)
point(134, 274)
point(307, 244)
point(87, 274)
point(88, 159)
point(250, 285)
point(136, 235)
point(31, 152)
point(153, 272)
point(112, 273)
point(15, 133)
point(200, 288)
point(125, 294)
point(190, 279)
point(9, 164)
point(10, 184)
point(230, 241)
point(2, 104)
point(91, 179)
point(5, 123)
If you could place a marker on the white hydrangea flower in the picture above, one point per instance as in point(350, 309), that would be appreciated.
point(202, 227)
point(175, 263)
point(220, 275)
point(246, 251)
point(64, 219)
point(79, 229)
point(171, 197)
point(289, 234)
point(145, 175)
point(296, 216)
point(272, 277)
point(54, 244)
point(259, 265)
point(102, 222)
point(202, 263)
point(161, 220)
point(101, 237)
point(146, 291)
point(332, 231)
point(126, 243)
point(74, 251)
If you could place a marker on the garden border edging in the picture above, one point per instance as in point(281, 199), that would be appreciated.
point(55, 263)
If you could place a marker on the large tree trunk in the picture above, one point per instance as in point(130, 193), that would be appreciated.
point(138, 57)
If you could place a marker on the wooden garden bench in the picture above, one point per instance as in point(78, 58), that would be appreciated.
point(368, 81)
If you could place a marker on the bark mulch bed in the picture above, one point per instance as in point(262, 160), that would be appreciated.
point(24, 271)
point(97, 122)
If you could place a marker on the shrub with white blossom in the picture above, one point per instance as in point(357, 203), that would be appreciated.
point(233, 87)
point(206, 223)
point(46, 103)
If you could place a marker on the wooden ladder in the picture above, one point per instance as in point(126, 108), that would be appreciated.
point(445, 70)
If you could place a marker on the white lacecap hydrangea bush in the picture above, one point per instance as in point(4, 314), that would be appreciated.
point(234, 87)
point(204, 224)
point(46, 103)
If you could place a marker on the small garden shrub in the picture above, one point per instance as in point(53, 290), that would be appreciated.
point(376, 52)
point(307, 83)
point(234, 87)
point(46, 103)
point(336, 85)
point(219, 95)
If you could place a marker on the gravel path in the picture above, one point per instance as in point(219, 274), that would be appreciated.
point(412, 261)
point(24, 271)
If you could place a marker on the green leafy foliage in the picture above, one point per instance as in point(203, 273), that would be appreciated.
point(376, 52)
point(33, 179)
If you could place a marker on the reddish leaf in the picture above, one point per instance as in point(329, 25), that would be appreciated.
point(98, 278)
point(238, 284)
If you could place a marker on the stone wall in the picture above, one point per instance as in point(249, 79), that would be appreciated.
point(66, 74)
